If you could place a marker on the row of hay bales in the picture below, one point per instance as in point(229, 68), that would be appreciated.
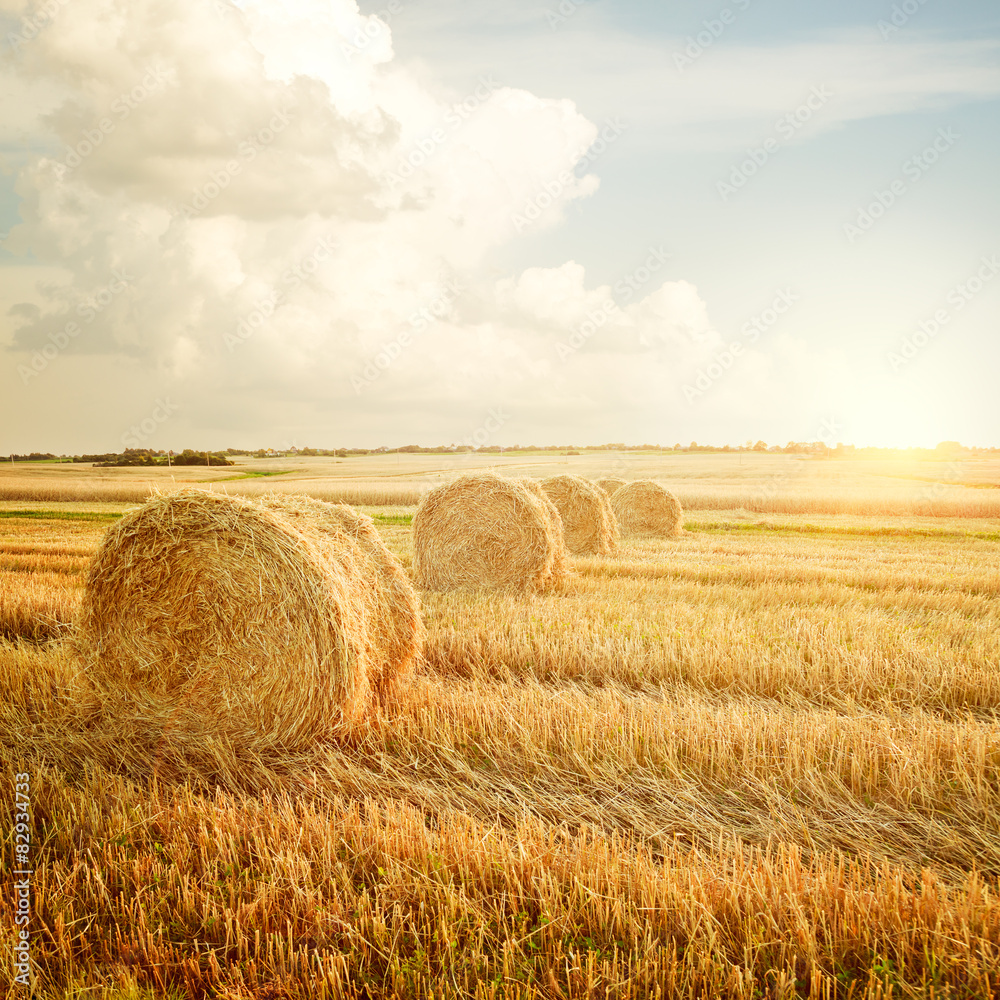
point(287, 616)
point(484, 530)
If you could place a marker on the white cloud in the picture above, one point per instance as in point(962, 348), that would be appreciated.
point(246, 206)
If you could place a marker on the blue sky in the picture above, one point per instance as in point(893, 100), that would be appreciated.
point(748, 139)
point(895, 83)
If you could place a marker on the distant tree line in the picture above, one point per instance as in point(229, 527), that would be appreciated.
point(147, 456)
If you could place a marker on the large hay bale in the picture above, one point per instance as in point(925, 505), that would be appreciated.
point(560, 563)
point(481, 530)
point(223, 615)
point(589, 526)
point(644, 507)
point(389, 604)
point(610, 483)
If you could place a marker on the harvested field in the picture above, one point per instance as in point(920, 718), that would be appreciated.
point(764, 761)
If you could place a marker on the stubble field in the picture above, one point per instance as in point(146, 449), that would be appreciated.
point(762, 759)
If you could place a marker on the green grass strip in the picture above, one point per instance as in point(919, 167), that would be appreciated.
point(762, 527)
point(64, 515)
point(394, 518)
point(254, 474)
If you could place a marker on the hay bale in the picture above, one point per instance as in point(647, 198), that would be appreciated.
point(610, 483)
point(644, 507)
point(560, 563)
point(394, 629)
point(589, 526)
point(221, 615)
point(481, 530)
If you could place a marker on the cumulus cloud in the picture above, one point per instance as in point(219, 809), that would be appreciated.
point(257, 201)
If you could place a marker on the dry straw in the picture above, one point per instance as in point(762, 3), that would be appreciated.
point(385, 597)
point(589, 526)
point(560, 564)
point(481, 530)
point(223, 615)
point(644, 507)
point(610, 483)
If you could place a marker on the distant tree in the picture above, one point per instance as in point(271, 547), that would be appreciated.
point(947, 449)
point(189, 457)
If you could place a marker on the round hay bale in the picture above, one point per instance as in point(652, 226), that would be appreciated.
point(481, 530)
point(589, 526)
point(610, 483)
point(644, 507)
point(560, 564)
point(390, 606)
point(224, 616)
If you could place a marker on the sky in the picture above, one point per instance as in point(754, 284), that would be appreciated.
point(266, 224)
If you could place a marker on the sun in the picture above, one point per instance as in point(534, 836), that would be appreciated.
point(904, 411)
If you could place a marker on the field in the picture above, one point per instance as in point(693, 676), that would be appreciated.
point(762, 759)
